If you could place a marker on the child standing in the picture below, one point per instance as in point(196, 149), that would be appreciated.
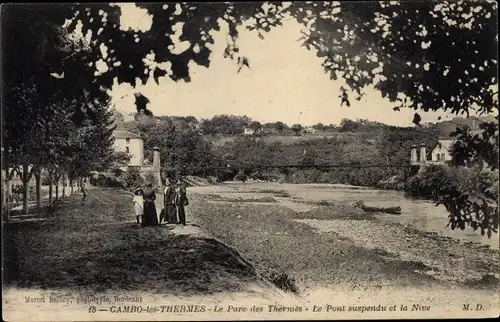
point(83, 187)
point(138, 201)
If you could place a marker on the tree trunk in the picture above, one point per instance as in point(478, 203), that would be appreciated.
point(38, 189)
point(64, 185)
point(50, 192)
point(5, 182)
point(57, 188)
point(71, 190)
point(25, 178)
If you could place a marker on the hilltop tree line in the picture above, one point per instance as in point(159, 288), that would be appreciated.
point(406, 50)
point(235, 125)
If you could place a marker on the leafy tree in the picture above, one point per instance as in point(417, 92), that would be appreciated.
point(190, 121)
point(388, 59)
point(347, 125)
point(469, 194)
point(23, 141)
point(179, 143)
point(330, 128)
point(225, 124)
point(255, 126)
point(297, 128)
point(280, 126)
point(472, 148)
point(118, 117)
point(132, 178)
point(35, 50)
point(319, 127)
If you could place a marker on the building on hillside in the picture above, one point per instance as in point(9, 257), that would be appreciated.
point(133, 144)
point(309, 130)
point(266, 130)
point(439, 154)
point(248, 131)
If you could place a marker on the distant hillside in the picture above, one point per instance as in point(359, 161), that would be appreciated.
point(219, 141)
point(363, 128)
point(446, 127)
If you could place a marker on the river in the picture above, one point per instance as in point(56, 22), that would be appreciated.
point(418, 214)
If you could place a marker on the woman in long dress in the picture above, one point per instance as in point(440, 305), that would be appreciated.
point(150, 217)
point(169, 212)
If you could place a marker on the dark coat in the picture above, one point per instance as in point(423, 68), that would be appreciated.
point(181, 197)
point(169, 213)
point(180, 202)
point(149, 194)
point(150, 217)
point(169, 196)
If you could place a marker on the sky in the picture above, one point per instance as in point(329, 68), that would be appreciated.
point(285, 82)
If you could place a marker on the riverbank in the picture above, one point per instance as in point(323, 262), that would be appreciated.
point(416, 214)
point(334, 250)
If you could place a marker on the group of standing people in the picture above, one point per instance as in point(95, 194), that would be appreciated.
point(174, 202)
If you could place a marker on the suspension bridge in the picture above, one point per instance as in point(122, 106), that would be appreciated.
point(250, 166)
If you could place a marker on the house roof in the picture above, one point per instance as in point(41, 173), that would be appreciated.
point(121, 134)
point(445, 144)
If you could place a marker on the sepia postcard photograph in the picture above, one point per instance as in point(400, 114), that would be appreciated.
point(208, 161)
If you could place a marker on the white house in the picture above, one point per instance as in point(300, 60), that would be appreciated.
point(309, 130)
point(248, 131)
point(131, 143)
point(441, 152)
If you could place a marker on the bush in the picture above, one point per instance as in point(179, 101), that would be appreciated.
point(226, 175)
point(260, 175)
point(44, 179)
point(132, 178)
point(240, 177)
point(470, 195)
